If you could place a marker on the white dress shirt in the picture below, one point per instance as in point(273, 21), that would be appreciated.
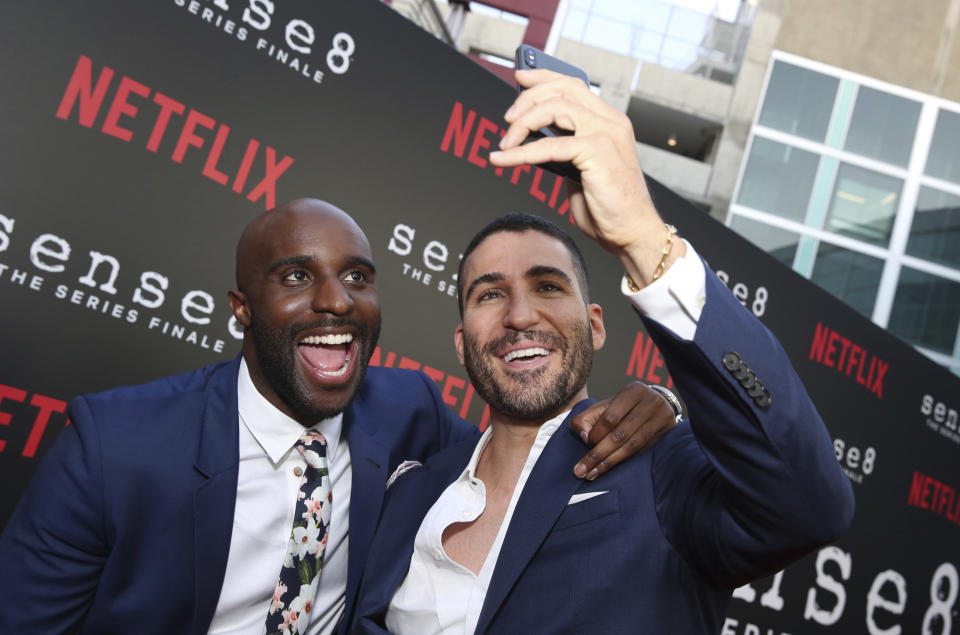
point(440, 596)
point(266, 498)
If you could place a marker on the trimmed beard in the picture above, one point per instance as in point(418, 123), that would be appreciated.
point(276, 354)
point(536, 397)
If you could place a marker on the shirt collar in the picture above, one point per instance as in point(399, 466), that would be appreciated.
point(547, 428)
point(274, 431)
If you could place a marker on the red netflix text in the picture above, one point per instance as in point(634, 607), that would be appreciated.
point(86, 99)
point(461, 134)
point(928, 493)
point(457, 392)
point(45, 407)
point(647, 364)
point(836, 351)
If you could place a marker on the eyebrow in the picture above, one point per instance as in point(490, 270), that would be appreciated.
point(537, 271)
point(541, 271)
point(359, 261)
point(290, 260)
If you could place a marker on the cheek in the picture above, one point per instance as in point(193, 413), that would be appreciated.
point(281, 310)
point(369, 310)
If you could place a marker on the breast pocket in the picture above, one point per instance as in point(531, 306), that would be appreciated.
point(588, 510)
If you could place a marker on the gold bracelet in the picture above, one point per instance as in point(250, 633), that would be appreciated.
point(671, 232)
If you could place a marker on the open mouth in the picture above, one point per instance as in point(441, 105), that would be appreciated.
point(330, 357)
point(526, 357)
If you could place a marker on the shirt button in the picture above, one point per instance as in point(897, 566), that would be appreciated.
point(466, 513)
point(702, 300)
point(298, 471)
point(437, 555)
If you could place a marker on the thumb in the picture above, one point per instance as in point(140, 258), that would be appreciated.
point(583, 423)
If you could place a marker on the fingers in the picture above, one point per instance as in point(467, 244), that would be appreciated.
point(630, 423)
point(569, 104)
point(542, 85)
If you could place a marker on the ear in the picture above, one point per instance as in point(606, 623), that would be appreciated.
point(458, 342)
point(240, 307)
point(595, 315)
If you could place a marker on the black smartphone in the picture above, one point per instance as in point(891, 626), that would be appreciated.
point(529, 58)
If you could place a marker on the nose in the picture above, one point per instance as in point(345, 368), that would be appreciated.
point(332, 297)
point(520, 314)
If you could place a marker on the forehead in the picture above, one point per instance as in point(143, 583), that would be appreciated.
point(515, 253)
point(325, 235)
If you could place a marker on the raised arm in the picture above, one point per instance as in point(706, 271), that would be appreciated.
point(750, 482)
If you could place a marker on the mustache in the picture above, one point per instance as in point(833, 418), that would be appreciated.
point(550, 339)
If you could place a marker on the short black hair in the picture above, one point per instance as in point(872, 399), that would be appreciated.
point(520, 222)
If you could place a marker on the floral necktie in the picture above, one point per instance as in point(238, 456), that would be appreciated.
point(293, 596)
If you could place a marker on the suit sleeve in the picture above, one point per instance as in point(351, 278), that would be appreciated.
point(54, 546)
point(750, 482)
point(450, 428)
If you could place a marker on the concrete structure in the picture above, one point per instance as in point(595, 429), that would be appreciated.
point(824, 131)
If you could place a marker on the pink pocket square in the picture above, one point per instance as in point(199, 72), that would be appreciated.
point(406, 466)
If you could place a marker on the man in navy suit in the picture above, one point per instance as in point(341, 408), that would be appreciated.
point(493, 536)
point(167, 507)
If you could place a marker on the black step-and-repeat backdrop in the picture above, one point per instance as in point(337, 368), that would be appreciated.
point(138, 138)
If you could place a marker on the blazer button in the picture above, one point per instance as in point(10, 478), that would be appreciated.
point(742, 372)
point(756, 390)
point(764, 399)
point(749, 381)
point(731, 361)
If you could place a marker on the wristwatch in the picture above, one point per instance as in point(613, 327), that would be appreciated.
point(671, 399)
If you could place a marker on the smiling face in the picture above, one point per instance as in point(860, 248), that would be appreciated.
point(309, 307)
point(527, 336)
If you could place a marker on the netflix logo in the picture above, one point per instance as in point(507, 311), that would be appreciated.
point(939, 498)
point(843, 355)
point(87, 99)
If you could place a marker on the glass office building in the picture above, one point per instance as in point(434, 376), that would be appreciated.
point(855, 184)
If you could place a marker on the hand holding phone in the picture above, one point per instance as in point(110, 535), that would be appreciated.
point(529, 58)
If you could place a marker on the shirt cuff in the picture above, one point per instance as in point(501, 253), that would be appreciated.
point(676, 298)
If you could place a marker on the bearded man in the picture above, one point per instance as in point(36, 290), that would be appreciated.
point(493, 536)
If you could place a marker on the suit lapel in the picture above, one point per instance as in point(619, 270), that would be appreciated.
point(544, 498)
point(416, 493)
point(369, 464)
point(216, 497)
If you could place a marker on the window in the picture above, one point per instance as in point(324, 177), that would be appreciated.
point(883, 126)
point(830, 187)
point(935, 232)
point(851, 276)
point(943, 161)
point(798, 101)
point(926, 310)
point(864, 204)
point(779, 243)
point(778, 179)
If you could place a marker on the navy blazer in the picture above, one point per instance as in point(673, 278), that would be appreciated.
point(741, 489)
point(126, 526)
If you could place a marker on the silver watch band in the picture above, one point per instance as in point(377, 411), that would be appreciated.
point(671, 399)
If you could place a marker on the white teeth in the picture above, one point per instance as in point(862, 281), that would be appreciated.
point(525, 352)
point(346, 338)
point(341, 370)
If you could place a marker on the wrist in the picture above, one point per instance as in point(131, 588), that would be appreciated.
point(646, 263)
point(671, 400)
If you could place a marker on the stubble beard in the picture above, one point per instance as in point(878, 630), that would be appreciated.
point(530, 395)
